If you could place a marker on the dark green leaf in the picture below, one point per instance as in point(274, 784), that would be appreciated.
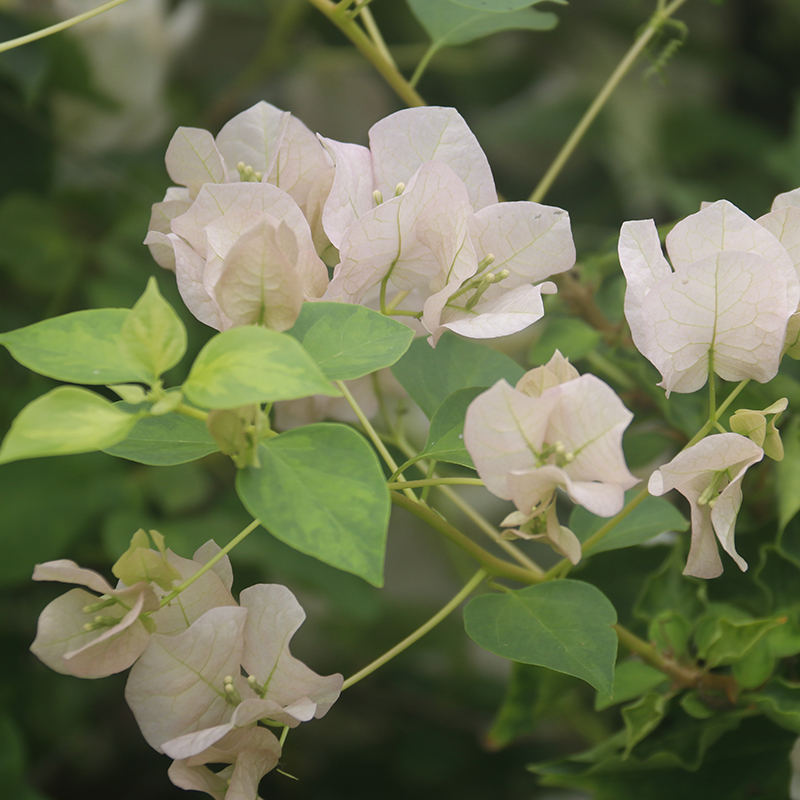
point(651, 517)
point(321, 490)
point(446, 434)
point(780, 701)
point(570, 335)
point(563, 625)
point(349, 341)
point(430, 375)
point(165, 440)
point(642, 718)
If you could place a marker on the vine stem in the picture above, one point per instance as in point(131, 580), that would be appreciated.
point(436, 482)
point(370, 51)
point(473, 583)
point(373, 435)
point(475, 517)
point(492, 564)
point(685, 677)
point(628, 60)
point(210, 563)
point(59, 26)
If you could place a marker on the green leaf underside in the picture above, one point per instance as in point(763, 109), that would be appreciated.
point(563, 625)
point(82, 347)
point(165, 440)
point(449, 23)
point(649, 519)
point(431, 375)
point(66, 420)
point(350, 341)
point(247, 365)
point(320, 489)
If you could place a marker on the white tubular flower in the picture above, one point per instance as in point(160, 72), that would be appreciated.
point(726, 305)
point(709, 475)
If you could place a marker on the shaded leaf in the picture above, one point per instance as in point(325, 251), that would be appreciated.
point(349, 341)
point(650, 518)
point(431, 375)
point(563, 625)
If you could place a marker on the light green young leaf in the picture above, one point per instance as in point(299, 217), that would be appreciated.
point(350, 341)
point(321, 490)
point(247, 365)
point(649, 519)
point(66, 420)
point(82, 347)
point(563, 625)
point(450, 23)
point(431, 375)
point(152, 336)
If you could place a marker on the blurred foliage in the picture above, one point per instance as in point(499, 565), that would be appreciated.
point(719, 118)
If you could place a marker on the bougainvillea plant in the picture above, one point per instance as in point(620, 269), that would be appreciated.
point(318, 267)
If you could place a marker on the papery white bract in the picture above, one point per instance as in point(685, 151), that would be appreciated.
point(566, 433)
point(724, 309)
point(709, 475)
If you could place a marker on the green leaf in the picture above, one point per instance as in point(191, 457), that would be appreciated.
point(670, 632)
point(651, 517)
point(430, 375)
point(82, 347)
point(667, 588)
point(780, 701)
point(66, 420)
point(164, 441)
point(631, 679)
point(755, 667)
point(534, 694)
point(249, 365)
point(446, 433)
point(571, 335)
point(152, 337)
point(686, 758)
point(563, 625)
point(321, 490)
point(642, 718)
point(495, 6)
point(449, 23)
point(788, 474)
point(350, 341)
point(721, 640)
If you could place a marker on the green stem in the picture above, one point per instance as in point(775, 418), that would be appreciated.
point(474, 516)
point(371, 432)
point(194, 413)
point(492, 564)
point(436, 482)
point(474, 581)
point(370, 51)
point(628, 60)
point(375, 34)
point(59, 26)
point(210, 563)
point(423, 65)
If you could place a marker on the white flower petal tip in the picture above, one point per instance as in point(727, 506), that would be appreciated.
point(709, 475)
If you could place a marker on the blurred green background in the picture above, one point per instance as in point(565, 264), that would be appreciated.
point(85, 118)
